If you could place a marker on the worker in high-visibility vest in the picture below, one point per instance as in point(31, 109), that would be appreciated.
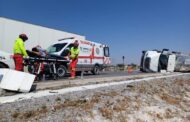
point(20, 52)
point(74, 52)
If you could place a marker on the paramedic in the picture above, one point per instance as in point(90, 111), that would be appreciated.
point(74, 52)
point(19, 51)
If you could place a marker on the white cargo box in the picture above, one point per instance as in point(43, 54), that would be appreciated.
point(171, 63)
point(15, 80)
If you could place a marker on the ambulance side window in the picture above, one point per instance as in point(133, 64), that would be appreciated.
point(106, 51)
point(67, 50)
point(71, 45)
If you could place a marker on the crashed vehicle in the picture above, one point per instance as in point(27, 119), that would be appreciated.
point(182, 62)
point(157, 61)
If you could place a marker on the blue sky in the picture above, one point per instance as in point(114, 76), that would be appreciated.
point(127, 26)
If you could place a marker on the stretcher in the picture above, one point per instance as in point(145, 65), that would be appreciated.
point(51, 66)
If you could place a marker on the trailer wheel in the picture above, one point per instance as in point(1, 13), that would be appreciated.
point(96, 70)
point(61, 71)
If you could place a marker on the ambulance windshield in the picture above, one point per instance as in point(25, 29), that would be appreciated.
point(56, 48)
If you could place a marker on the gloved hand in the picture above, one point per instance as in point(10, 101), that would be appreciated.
point(26, 57)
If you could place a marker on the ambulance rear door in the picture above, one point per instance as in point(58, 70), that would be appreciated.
point(98, 54)
point(107, 59)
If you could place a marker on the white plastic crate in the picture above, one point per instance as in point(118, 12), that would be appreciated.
point(15, 80)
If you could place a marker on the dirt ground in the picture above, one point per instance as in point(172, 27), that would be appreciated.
point(163, 100)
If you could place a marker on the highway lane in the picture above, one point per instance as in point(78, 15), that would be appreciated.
point(110, 74)
point(101, 75)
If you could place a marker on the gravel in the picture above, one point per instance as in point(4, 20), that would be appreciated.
point(166, 99)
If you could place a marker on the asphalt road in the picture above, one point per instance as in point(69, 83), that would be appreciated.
point(101, 75)
point(109, 74)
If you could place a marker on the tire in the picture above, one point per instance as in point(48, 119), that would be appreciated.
point(31, 69)
point(96, 70)
point(78, 73)
point(61, 71)
point(3, 66)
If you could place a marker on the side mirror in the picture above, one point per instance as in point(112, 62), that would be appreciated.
point(144, 51)
point(67, 49)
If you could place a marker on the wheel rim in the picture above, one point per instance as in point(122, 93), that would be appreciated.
point(61, 72)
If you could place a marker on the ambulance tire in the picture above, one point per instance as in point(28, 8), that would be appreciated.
point(78, 72)
point(96, 70)
point(61, 71)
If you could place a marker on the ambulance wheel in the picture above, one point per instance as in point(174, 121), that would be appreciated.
point(61, 71)
point(38, 78)
point(96, 70)
point(78, 72)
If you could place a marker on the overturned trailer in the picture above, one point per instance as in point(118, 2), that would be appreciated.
point(182, 62)
point(157, 61)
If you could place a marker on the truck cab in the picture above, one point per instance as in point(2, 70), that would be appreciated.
point(149, 61)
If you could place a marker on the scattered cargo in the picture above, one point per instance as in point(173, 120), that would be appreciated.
point(15, 80)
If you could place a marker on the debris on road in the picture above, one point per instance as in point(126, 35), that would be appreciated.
point(16, 81)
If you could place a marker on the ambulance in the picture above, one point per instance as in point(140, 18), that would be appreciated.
point(6, 60)
point(92, 57)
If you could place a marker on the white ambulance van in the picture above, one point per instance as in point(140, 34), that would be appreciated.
point(6, 60)
point(92, 56)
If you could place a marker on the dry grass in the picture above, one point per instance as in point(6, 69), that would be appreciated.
point(188, 117)
point(169, 99)
point(181, 82)
point(58, 99)
point(1, 115)
point(86, 105)
point(107, 113)
point(168, 115)
point(15, 114)
point(142, 89)
point(159, 116)
point(121, 105)
point(110, 94)
point(30, 114)
point(122, 118)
